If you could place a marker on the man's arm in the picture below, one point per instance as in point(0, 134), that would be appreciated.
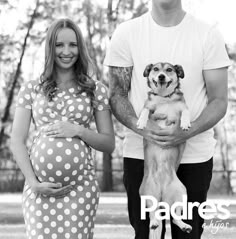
point(119, 86)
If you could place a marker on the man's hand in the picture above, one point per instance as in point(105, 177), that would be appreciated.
point(165, 137)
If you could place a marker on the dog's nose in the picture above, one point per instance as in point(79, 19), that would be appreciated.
point(161, 78)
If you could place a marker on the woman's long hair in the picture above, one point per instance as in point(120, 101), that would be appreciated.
point(82, 67)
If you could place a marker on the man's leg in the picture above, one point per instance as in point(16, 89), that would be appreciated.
point(196, 178)
point(133, 176)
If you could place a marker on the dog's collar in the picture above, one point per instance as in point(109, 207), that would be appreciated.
point(165, 96)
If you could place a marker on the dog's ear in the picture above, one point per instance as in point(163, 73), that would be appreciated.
point(179, 71)
point(147, 70)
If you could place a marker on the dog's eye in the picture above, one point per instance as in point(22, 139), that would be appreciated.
point(155, 69)
point(169, 70)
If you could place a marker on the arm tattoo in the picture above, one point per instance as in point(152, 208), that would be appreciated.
point(120, 82)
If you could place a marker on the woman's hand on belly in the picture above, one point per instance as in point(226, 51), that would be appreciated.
point(51, 189)
point(63, 129)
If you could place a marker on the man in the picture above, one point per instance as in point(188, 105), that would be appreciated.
point(168, 34)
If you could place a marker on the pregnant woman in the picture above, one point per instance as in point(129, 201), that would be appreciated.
point(61, 192)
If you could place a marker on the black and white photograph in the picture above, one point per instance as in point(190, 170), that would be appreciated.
point(117, 119)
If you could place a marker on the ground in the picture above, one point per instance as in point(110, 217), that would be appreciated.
point(112, 219)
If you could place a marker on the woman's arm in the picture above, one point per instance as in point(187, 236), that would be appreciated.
point(19, 135)
point(104, 140)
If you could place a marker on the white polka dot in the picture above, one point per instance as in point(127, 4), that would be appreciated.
point(66, 179)
point(33, 232)
point(103, 90)
point(40, 237)
point(47, 230)
point(67, 235)
point(100, 107)
point(106, 101)
point(60, 229)
point(76, 159)
point(40, 111)
point(81, 212)
point(46, 218)
point(71, 90)
point(80, 188)
point(50, 151)
point(86, 230)
point(74, 172)
point(80, 236)
point(88, 194)
point(74, 218)
point(88, 109)
point(82, 154)
point(59, 217)
point(73, 193)
point(41, 159)
point(38, 213)
point(58, 159)
point(80, 224)
point(67, 166)
point(58, 173)
point(53, 224)
point(81, 166)
point(66, 199)
point(45, 206)
point(78, 115)
point(32, 208)
point(59, 144)
point(86, 218)
point(49, 166)
point(43, 173)
point(85, 118)
point(59, 205)
point(76, 146)
point(81, 200)
point(32, 220)
point(67, 223)
point(100, 97)
point(80, 107)
point(80, 177)
point(71, 108)
point(88, 206)
point(39, 225)
point(73, 205)
point(52, 199)
point(38, 200)
point(52, 211)
point(54, 236)
point(73, 229)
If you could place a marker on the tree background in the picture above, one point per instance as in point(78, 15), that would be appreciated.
point(21, 59)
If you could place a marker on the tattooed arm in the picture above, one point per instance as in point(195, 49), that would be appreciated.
point(120, 81)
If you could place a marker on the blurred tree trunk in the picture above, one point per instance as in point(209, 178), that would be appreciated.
point(6, 113)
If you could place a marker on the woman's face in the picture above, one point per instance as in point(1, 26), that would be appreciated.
point(66, 49)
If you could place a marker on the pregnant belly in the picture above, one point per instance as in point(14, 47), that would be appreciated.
point(63, 160)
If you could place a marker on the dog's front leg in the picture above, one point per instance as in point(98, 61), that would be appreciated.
point(185, 119)
point(143, 118)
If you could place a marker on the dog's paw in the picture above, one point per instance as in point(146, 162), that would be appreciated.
point(185, 124)
point(185, 120)
point(143, 118)
point(154, 223)
point(140, 124)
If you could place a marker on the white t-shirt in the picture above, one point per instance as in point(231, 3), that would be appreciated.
point(194, 45)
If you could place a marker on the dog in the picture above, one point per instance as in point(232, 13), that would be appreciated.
point(160, 165)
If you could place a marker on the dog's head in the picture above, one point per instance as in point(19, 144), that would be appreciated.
point(163, 78)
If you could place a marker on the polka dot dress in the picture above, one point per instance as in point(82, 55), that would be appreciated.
point(64, 160)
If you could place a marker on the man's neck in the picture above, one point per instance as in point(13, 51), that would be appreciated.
point(167, 17)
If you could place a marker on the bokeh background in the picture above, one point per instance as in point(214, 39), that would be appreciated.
point(23, 26)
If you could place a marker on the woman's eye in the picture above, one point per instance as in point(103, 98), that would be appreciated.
point(59, 45)
point(74, 45)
